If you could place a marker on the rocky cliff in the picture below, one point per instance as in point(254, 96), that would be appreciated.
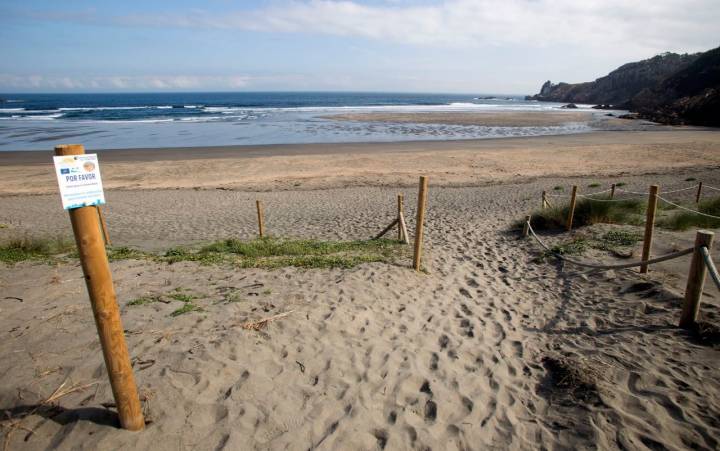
point(668, 88)
point(620, 85)
point(689, 96)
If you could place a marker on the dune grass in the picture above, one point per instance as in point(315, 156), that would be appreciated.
point(267, 253)
point(683, 220)
point(37, 249)
point(630, 211)
point(588, 212)
point(617, 241)
point(270, 253)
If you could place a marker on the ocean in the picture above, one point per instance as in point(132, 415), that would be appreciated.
point(150, 120)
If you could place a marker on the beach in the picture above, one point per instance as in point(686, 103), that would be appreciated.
point(491, 346)
point(321, 166)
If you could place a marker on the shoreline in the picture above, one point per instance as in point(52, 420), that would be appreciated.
point(174, 153)
point(313, 167)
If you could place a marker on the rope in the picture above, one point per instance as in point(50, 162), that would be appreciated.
point(632, 192)
point(688, 209)
point(711, 187)
point(620, 266)
point(710, 265)
point(604, 200)
point(681, 189)
point(599, 192)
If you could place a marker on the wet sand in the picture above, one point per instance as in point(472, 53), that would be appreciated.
point(491, 119)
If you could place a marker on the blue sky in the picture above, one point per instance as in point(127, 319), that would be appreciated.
point(472, 46)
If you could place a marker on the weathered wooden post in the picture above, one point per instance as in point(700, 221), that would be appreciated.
point(98, 279)
point(422, 199)
point(696, 280)
point(571, 211)
point(699, 193)
point(103, 226)
point(649, 225)
point(261, 218)
point(612, 191)
point(526, 226)
point(544, 200)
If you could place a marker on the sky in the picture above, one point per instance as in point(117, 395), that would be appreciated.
point(464, 46)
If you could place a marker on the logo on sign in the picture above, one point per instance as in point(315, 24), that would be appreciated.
point(64, 171)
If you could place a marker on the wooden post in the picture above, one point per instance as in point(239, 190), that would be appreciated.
point(699, 193)
point(612, 191)
point(571, 212)
point(544, 200)
point(649, 226)
point(696, 280)
point(261, 218)
point(98, 279)
point(526, 226)
point(422, 199)
point(400, 202)
point(103, 226)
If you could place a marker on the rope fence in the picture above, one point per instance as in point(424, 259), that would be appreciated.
point(688, 209)
point(701, 261)
point(598, 266)
point(710, 266)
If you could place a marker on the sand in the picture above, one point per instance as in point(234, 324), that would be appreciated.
point(323, 166)
point(491, 119)
point(490, 349)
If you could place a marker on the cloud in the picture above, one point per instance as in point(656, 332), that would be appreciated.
point(123, 83)
point(619, 25)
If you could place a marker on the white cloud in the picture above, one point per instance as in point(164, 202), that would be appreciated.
point(615, 25)
point(145, 82)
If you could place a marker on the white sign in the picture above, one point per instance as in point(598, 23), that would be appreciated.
point(79, 180)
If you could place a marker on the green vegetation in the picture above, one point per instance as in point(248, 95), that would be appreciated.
point(273, 253)
point(573, 247)
point(594, 185)
point(144, 300)
point(630, 211)
point(177, 295)
point(268, 253)
point(124, 253)
point(588, 212)
point(614, 241)
point(619, 184)
point(690, 179)
point(187, 308)
point(39, 249)
point(233, 296)
point(683, 220)
point(182, 297)
point(621, 237)
point(558, 188)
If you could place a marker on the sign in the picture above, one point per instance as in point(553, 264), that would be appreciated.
point(79, 180)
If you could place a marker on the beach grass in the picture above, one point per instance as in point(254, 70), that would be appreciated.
point(683, 220)
point(36, 249)
point(588, 212)
point(265, 253)
point(271, 253)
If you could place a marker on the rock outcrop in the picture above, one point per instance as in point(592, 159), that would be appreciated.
point(689, 96)
point(668, 88)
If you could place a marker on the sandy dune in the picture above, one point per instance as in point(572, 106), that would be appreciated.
point(464, 357)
